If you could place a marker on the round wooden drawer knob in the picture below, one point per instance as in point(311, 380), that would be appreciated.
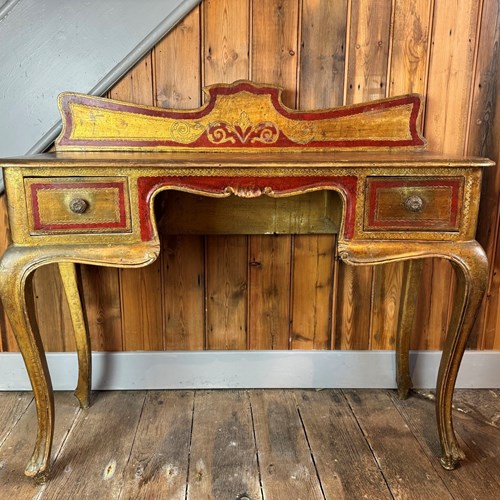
point(414, 203)
point(78, 205)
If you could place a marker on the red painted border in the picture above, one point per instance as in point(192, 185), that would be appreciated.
point(245, 86)
point(455, 183)
point(38, 225)
point(148, 186)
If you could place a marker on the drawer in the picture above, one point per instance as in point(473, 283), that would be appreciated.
point(413, 203)
point(77, 205)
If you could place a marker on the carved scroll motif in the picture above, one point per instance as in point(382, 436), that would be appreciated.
point(243, 116)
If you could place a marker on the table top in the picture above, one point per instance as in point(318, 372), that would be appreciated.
point(262, 159)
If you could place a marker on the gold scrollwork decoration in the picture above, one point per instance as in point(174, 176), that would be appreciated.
point(248, 191)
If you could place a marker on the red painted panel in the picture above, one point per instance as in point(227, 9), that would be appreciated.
point(244, 86)
point(148, 186)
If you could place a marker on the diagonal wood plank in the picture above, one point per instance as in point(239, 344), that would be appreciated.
point(392, 443)
point(480, 404)
point(16, 449)
point(159, 459)
point(98, 448)
point(223, 463)
point(345, 464)
point(286, 466)
point(12, 407)
point(478, 475)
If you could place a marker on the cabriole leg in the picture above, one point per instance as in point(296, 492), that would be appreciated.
point(472, 274)
point(411, 281)
point(17, 297)
point(82, 339)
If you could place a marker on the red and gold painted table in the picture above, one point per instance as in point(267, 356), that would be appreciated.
point(362, 171)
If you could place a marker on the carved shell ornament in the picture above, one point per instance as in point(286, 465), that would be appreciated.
point(247, 191)
point(244, 116)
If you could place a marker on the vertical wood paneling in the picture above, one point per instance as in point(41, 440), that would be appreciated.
point(448, 97)
point(450, 74)
point(226, 39)
point(410, 46)
point(183, 259)
point(386, 300)
point(269, 294)
point(226, 48)
point(369, 36)
point(490, 338)
point(274, 56)
point(407, 73)
point(178, 85)
point(484, 140)
point(242, 292)
point(142, 315)
point(7, 339)
point(312, 292)
point(227, 288)
point(366, 79)
point(101, 296)
point(177, 65)
point(322, 56)
point(352, 327)
point(51, 309)
point(274, 45)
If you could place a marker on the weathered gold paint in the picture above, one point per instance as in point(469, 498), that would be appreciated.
point(30, 251)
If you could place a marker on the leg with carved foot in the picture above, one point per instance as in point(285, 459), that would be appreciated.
point(411, 281)
point(17, 297)
point(82, 339)
point(471, 269)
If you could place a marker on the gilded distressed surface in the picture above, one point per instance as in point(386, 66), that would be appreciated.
point(240, 115)
point(20, 213)
point(249, 177)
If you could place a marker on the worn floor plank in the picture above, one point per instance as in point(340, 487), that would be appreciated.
point(92, 461)
point(345, 463)
point(12, 407)
point(483, 405)
point(158, 464)
point(406, 468)
point(477, 477)
point(272, 445)
point(223, 461)
point(286, 467)
point(16, 449)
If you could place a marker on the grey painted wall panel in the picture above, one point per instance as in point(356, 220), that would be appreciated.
point(50, 46)
point(250, 369)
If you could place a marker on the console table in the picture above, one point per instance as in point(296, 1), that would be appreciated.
point(363, 172)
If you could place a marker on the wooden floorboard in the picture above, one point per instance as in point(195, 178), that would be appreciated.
point(286, 466)
point(253, 445)
point(92, 461)
point(223, 459)
point(399, 455)
point(158, 465)
point(16, 449)
point(477, 477)
point(345, 463)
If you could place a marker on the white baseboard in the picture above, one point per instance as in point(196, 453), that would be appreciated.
point(251, 369)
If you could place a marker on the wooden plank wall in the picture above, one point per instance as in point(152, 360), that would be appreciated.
point(288, 292)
